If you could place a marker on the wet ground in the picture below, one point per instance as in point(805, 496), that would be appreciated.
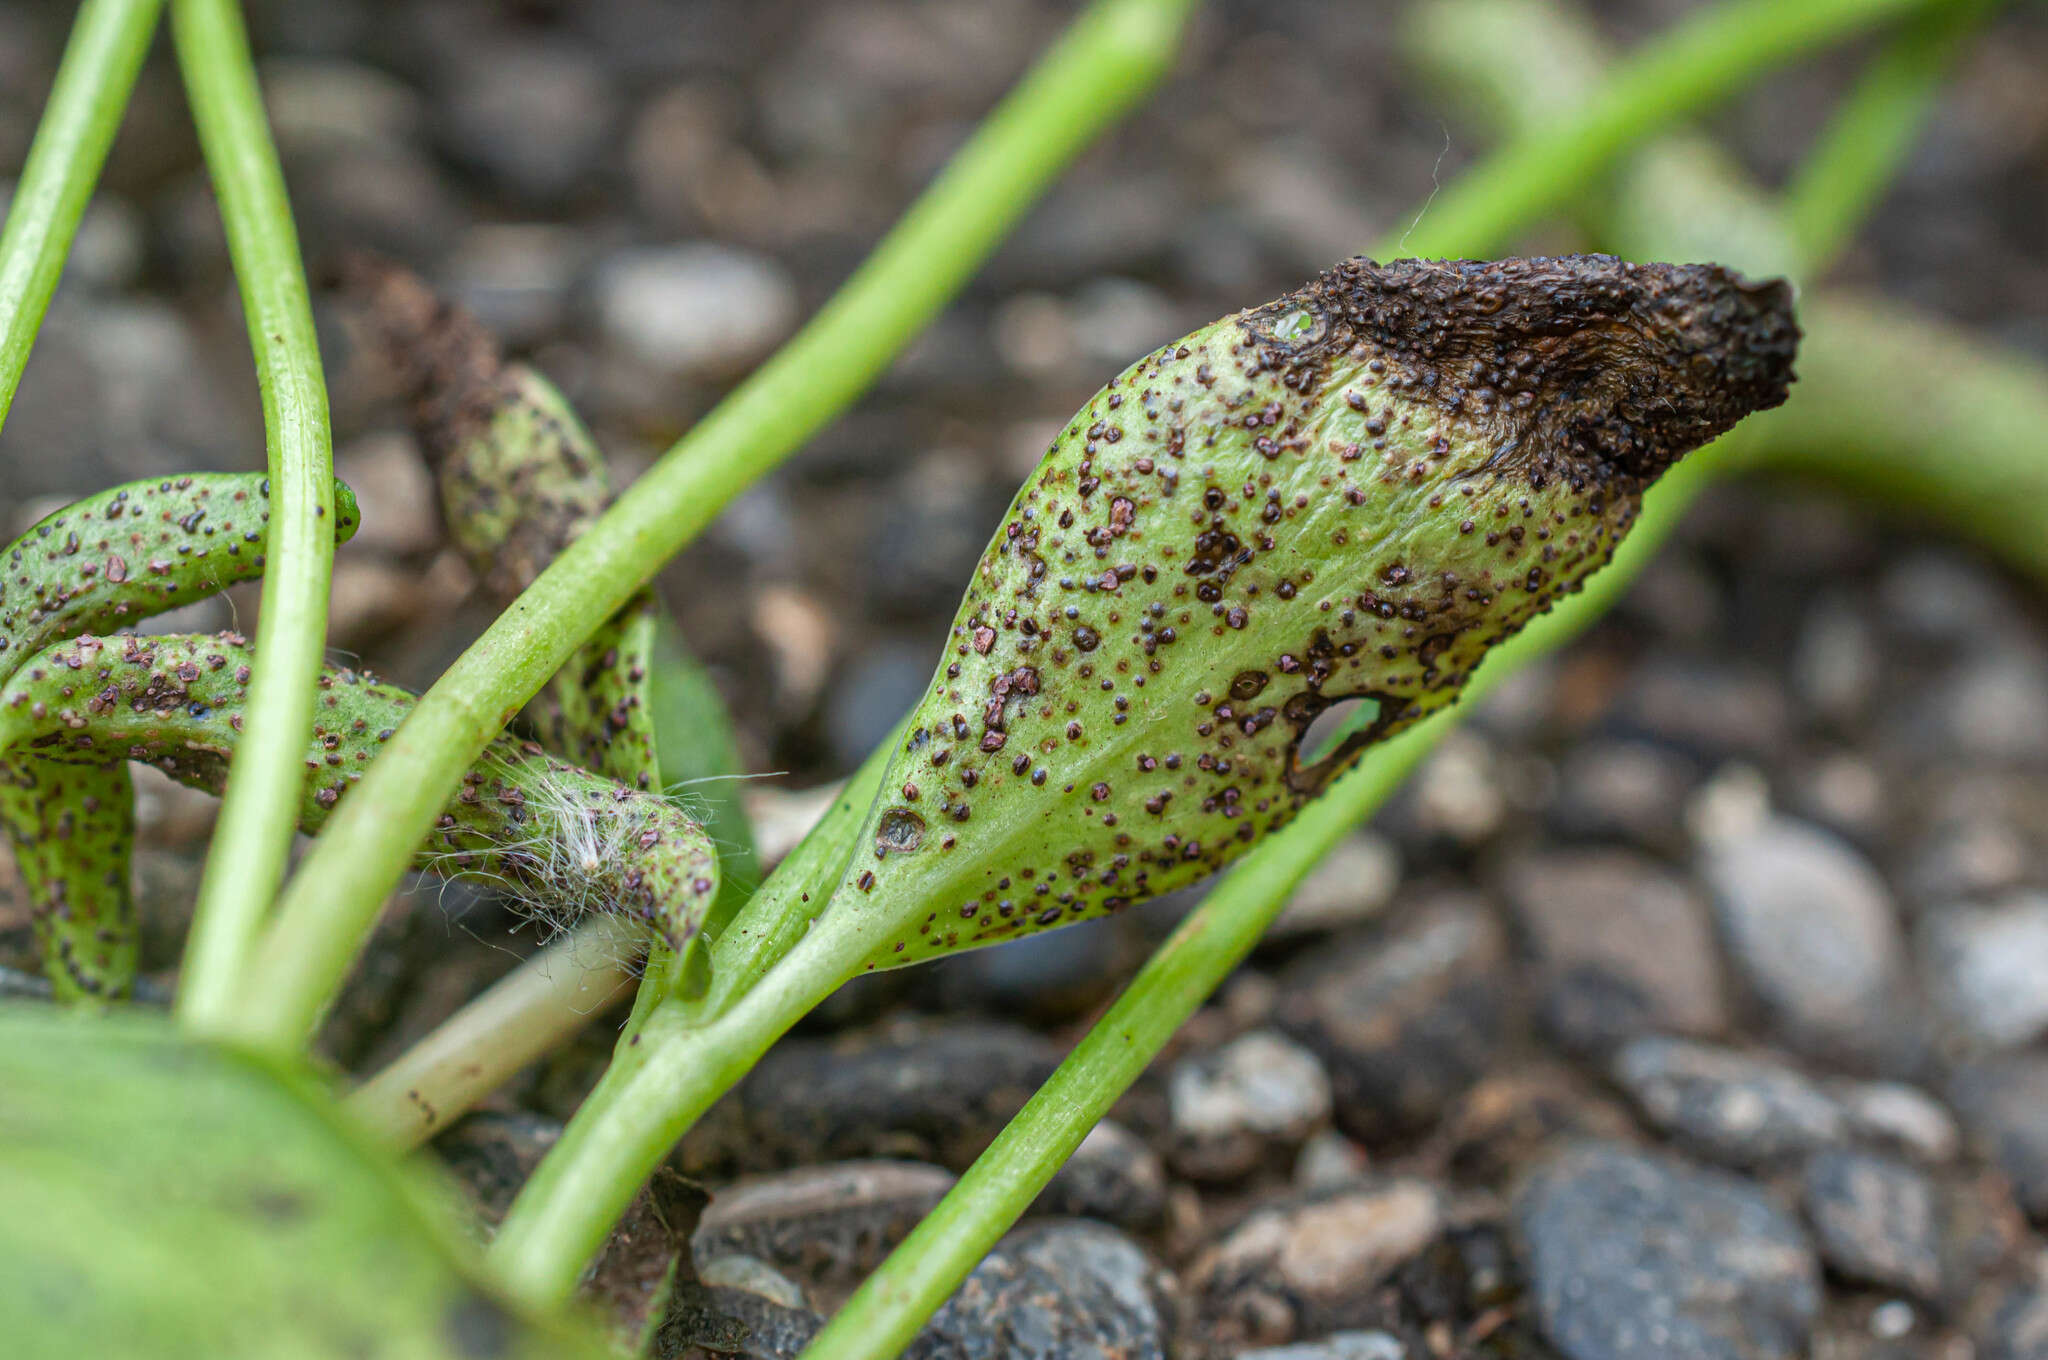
point(1686, 1004)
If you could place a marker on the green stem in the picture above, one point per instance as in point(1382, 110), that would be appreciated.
point(108, 41)
point(525, 1015)
point(259, 808)
point(1110, 57)
point(1852, 161)
point(586, 1181)
point(1705, 58)
point(768, 967)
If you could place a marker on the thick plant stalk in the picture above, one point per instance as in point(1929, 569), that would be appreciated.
point(108, 41)
point(246, 860)
point(103, 563)
point(1113, 54)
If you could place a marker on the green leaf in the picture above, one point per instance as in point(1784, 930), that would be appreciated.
point(163, 1198)
point(1349, 494)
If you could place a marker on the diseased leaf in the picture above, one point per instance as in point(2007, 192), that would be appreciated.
point(1348, 494)
point(116, 558)
point(96, 565)
point(159, 1198)
point(72, 828)
point(560, 839)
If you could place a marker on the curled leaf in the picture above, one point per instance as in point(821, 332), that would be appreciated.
point(137, 550)
point(93, 566)
point(1348, 494)
point(561, 839)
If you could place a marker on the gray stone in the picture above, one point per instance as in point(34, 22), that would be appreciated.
point(1738, 1108)
point(929, 533)
point(1712, 709)
point(725, 1322)
point(1337, 1346)
point(320, 105)
point(1938, 596)
point(395, 492)
point(824, 1226)
point(1114, 1176)
point(933, 1094)
point(1637, 1257)
point(1900, 1118)
point(536, 116)
point(2003, 1105)
point(1352, 883)
point(2019, 1328)
point(1971, 854)
point(1992, 706)
point(1236, 1107)
point(1328, 1158)
point(1622, 946)
point(1835, 663)
point(516, 279)
point(1985, 965)
point(864, 703)
point(754, 1276)
point(1877, 1221)
point(1627, 790)
point(1811, 928)
point(1300, 1267)
point(392, 199)
point(1046, 977)
point(491, 1153)
point(106, 254)
point(1058, 1290)
point(1403, 1020)
point(699, 309)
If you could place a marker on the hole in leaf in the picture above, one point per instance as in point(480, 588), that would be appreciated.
point(1333, 731)
point(1332, 725)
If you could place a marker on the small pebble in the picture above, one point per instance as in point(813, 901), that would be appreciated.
point(1877, 1221)
point(1640, 1257)
point(1813, 930)
point(1985, 966)
point(825, 1226)
point(1257, 1095)
point(1737, 1108)
point(1622, 946)
point(1337, 1346)
point(1403, 1019)
point(1900, 1118)
point(1059, 1290)
point(696, 310)
point(1296, 1268)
